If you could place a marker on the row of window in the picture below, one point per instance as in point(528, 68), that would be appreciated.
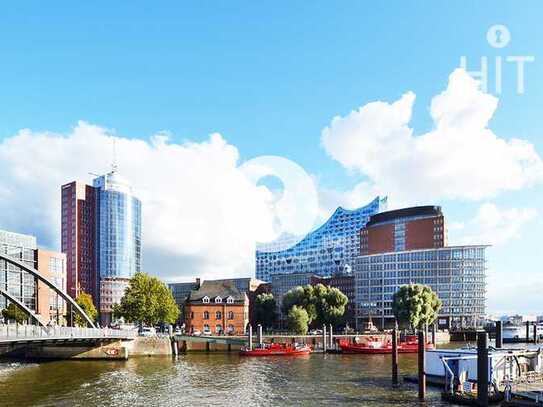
point(218, 315)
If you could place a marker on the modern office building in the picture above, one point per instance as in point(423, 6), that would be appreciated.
point(18, 283)
point(420, 227)
point(322, 252)
point(101, 236)
point(25, 287)
point(456, 274)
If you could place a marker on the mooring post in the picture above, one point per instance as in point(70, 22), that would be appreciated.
point(331, 344)
point(527, 331)
point(422, 374)
point(395, 356)
point(499, 334)
point(434, 333)
point(535, 332)
point(250, 344)
point(259, 335)
point(324, 339)
point(482, 368)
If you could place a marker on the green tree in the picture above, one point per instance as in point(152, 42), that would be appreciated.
point(416, 305)
point(147, 300)
point(298, 320)
point(84, 300)
point(14, 313)
point(323, 304)
point(265, 310)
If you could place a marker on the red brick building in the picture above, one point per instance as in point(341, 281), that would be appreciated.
point(420, 227)
point(217, 308)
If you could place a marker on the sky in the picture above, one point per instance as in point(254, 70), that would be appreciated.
point(366, 97)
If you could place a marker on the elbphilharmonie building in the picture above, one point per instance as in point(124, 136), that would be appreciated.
point(331, 247)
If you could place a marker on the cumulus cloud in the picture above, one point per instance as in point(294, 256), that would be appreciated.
point(461, 158)
point(201, 214)
point(494, 225)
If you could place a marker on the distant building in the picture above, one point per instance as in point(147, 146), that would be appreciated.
point(322, 252)
point(51, 306)
point(181, 291)
point(217, 308)
point(101, 236)
point(456, 274)
point(420, 227)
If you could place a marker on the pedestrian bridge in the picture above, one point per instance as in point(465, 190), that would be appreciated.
point(28, 334)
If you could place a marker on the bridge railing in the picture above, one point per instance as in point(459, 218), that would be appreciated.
point(25, 331)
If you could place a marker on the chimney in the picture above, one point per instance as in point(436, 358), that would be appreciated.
point(198, 282)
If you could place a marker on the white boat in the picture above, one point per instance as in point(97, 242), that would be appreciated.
point(518, 332)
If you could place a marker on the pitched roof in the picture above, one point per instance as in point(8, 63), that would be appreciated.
point(212, 289)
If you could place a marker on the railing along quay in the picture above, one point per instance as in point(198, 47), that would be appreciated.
point(9, 332)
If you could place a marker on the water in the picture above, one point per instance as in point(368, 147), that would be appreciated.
point(211, 380)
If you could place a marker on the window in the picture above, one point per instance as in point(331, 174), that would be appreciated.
point(230, 314)
point(206, 328)
point(218, 328)
point(205, 300)
point(230, 329)
point(229, 300)
point(218, 300)
point(218, 315)
point(206, 315)
point(192, 315)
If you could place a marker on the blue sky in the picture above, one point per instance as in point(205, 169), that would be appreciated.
point(268, 76)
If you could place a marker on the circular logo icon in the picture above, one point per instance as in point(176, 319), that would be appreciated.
point(498, 36)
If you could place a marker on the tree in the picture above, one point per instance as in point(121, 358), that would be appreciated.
point(416, 304)
point(323, 304)
point(298, 320)
point(147, 300)
point(14, 313)
point(265, 310)
point(84, 300)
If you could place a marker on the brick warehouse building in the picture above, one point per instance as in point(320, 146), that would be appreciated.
point(217, 308)
point(420, 227)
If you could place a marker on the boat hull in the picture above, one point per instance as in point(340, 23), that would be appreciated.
point(276, 351)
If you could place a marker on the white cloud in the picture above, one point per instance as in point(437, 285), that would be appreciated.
point(494, 225)
point(461, 158)
point(200, 213)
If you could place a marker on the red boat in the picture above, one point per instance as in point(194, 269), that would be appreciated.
point(276, 349)
point(382, 345)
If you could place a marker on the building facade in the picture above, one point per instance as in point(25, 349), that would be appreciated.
point(101, 236)
point(18, 283)
point(217, 308)
point(51, 306)
point(322, 252)
point(457, 274)
point(420, 227)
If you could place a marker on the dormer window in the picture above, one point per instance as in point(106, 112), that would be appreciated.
point(205, 300)
point(229, 300)
point(218, 300)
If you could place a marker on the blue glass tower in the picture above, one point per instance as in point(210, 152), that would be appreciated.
point(118, 239)
point(332, 246)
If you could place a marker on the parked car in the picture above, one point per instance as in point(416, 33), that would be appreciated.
point(315, 332)
point(177, 331)
point(196, 333)
point(147, 331)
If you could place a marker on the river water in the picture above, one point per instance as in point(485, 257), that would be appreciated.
point(211, 380)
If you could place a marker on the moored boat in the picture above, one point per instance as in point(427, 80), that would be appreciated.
point(382, 345)
point(276, 349)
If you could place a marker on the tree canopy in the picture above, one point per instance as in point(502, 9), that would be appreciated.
point(265, 309)
point(84, 300)
point(147, 300)
point(323, 304)
point(14, 313)
point(297, 320)
point(416, 304)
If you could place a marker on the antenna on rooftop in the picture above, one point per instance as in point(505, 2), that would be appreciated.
point(114, 162)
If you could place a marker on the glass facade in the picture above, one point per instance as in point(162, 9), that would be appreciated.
point(118, 228)
point(13, 279)
point(456, 274)
point(323, 251)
